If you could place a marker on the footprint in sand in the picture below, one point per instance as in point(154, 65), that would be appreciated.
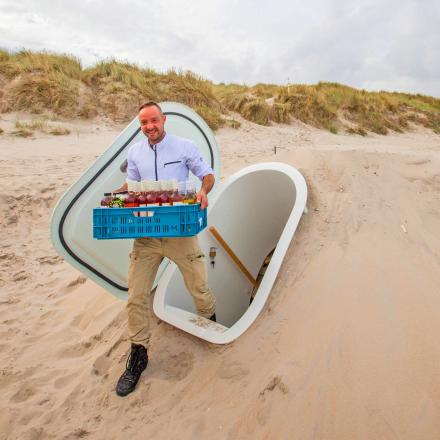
point(275, 383)
point(24, 393)
point(81, 348)
point(20, 276)
point(50, 260)
point(232, 371)
point(48, 188)
point(102, 365)
point(11, 259)
point(29, 416)
point(63, 381)
point(175, 367)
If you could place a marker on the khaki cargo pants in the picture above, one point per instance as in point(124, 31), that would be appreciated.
point(145, 259)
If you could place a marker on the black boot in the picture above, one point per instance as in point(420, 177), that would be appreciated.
point(136, 363)
point(213, 318)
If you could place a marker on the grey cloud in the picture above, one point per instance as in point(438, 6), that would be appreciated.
point(368, 43)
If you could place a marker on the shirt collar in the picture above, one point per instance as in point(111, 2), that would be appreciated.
point(162, 142)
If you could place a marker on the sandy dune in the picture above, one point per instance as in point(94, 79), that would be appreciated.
point(346, 348)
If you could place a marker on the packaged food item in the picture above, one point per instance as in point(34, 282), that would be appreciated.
point(117, 200)
point(105, 201)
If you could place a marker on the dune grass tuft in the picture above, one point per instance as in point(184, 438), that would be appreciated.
point(34, 124)
point(326, 105)
point(233, 123)
point(22, 132)
point(37, 93)
point(59, 131)
point(27, 61)
point(27, 128)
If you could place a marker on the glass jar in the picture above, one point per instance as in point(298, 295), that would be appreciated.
point(105, 201)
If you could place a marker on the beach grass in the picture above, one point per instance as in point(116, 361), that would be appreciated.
point(27, 128)
point(59, 131)
point(42, 82)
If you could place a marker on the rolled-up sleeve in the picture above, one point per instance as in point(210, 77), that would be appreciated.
point(132, 169)
point(195, 162)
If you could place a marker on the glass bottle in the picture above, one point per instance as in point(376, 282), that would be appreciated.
point(190, 193)
point(132, 199)
point(152, 193)
point(176, 198)
point(143, 197)
point(131, 185)
point(163, 195)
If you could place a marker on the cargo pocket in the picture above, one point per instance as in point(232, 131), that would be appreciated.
point(196, 256)
point(198, 270)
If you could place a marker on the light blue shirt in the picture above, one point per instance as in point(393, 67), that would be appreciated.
point(171, 158)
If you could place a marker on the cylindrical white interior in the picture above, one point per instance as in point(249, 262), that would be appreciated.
point(250, 212)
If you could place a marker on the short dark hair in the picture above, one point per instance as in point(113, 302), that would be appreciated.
point(150, 104)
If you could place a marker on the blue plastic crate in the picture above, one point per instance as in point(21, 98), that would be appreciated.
point(152, 221)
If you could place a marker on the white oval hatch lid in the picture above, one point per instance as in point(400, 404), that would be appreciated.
point(106, 261)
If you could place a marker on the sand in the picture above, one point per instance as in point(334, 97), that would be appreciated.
point(346, 347)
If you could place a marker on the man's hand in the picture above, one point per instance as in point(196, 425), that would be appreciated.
point(202, 198)
point(123, 188)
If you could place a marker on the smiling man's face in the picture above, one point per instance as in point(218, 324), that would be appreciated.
point(152, 123)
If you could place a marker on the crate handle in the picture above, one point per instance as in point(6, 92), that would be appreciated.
point(143, 213)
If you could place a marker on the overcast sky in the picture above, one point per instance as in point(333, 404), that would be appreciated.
point(375, 44)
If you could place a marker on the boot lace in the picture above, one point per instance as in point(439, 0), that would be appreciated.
point(135, 362)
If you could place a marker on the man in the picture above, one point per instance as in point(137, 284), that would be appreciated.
point(162, 156)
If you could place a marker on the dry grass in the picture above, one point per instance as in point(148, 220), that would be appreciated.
point(40, 82)
point(34, 124)
point(37, 93)
point(25, 61)
point(121, 87)
point(233, 123)
point(59, 131)
point(325, 105)
point(22, 132)
point(26, 129)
